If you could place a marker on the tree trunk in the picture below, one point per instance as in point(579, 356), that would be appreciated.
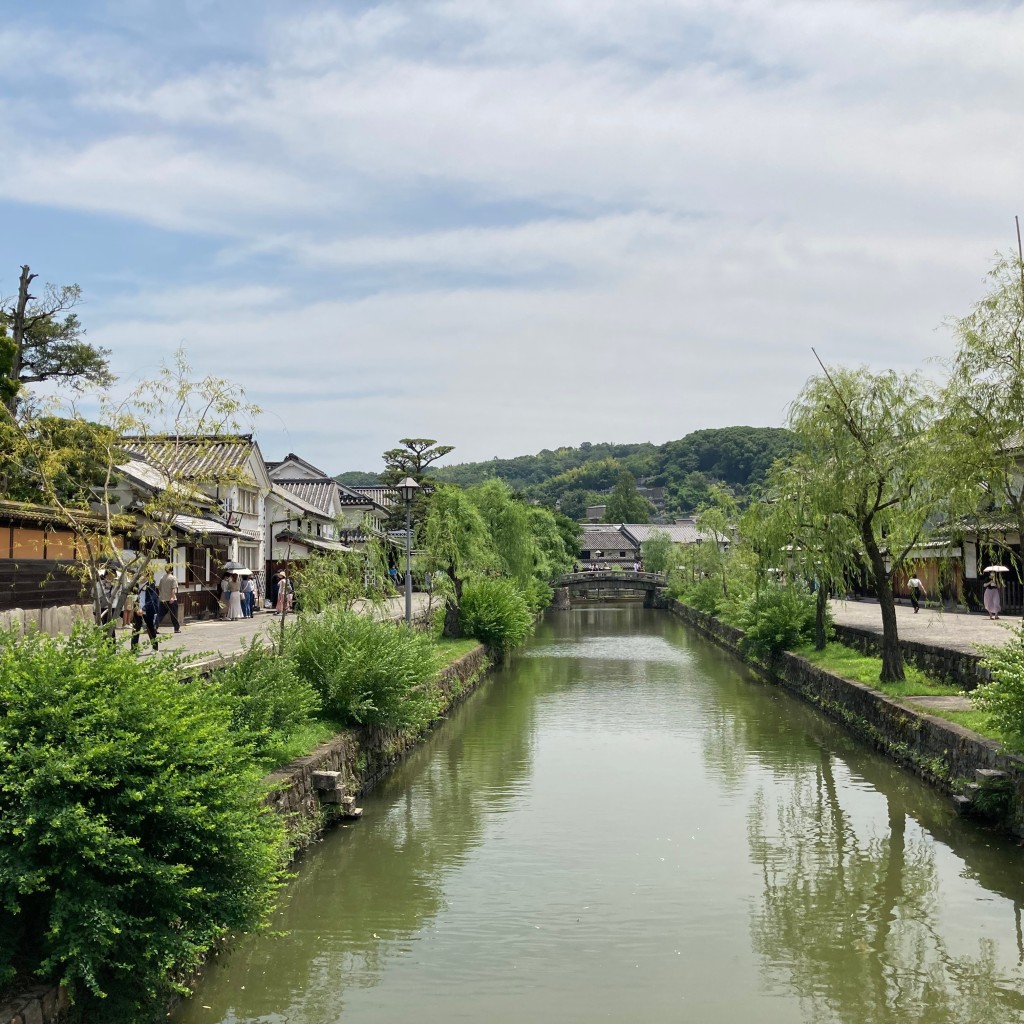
point(452, 624)
point(18, 333)
point(892, 656)
point(820, 607)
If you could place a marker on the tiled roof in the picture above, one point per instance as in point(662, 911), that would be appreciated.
point(311, 542)
point(319, 493)
point(608, 539)
point(198, 526)
point(383, 496)
point(679, 533)
point(203, 457)
point(296, 502)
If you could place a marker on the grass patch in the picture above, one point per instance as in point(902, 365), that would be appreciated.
point(299, 742)
point(866, 668)
point(450, 649)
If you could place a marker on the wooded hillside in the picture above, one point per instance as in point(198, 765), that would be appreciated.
point(738, 457)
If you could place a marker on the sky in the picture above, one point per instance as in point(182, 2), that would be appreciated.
point(511, 226)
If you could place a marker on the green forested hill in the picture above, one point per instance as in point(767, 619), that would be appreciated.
point(574, 477)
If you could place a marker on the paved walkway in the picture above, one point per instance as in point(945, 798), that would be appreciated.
point(213, 640)
point(957, 631)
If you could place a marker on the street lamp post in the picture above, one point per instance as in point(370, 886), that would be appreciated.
point(407, 491)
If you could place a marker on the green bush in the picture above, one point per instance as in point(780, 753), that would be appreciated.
point(777, 619)
point(132, 835)
point(705, 595)
point(268, 700)
point(1003, 698)
point(496, 612)
point(366, 671)
point(538, 594)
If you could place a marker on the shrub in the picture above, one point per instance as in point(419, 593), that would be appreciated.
point(776, 620)
point(132, 835)
point(705, 595)
point(495, 612)
point(366, 671)
point(538, 594)
point(268, 700)
point(1003, 698)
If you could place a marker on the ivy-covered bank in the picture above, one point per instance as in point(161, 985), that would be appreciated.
point(979, 775)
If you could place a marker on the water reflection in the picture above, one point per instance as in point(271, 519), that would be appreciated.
point(848, 916)
point(625, 825)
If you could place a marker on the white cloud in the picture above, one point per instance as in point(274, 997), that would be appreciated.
point(537, 222)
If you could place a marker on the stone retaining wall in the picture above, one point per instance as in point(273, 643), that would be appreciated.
point(941, 752)
point(959, 668)
point(363, 756)
point(55, 621)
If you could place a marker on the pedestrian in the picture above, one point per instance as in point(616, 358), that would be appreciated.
point(104, 600)
point(917, 591)
point(248, 597)
point(993, 598)
point(285, 593)
point(234, 596)
point(168, 590)
point(146, 613)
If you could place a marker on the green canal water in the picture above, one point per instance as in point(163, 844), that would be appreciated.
point(625, 826)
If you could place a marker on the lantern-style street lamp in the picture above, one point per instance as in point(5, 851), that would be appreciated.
point(407, 491)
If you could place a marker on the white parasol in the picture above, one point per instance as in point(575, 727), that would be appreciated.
point(995, 568)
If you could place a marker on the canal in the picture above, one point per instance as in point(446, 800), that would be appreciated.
point(626, 826)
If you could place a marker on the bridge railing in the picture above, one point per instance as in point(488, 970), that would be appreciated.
point(610, 576)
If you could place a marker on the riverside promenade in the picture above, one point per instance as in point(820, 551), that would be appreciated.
point(214, 641)
point(955, 631)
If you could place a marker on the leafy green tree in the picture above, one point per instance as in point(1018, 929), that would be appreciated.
point(866, 439)
point(626, 504)
point(983, 408)
point(412, 459)
point(46, 341)
point(659, 552)
point(132, 831)
point(509, 526)
point(458, 544)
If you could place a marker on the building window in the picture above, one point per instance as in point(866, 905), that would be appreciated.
point(249, 556)
point(248, 501)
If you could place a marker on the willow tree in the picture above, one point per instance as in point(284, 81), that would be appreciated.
point(458, 544)
point(983, 408)
point(865, 444)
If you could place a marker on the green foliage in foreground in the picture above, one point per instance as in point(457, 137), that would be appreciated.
point(132, 836)
point(777, 619)
point(365, 671)
point(1003, 698)
point(267, 698)
point(496, 612)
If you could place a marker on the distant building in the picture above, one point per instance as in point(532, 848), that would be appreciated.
point(595, 513)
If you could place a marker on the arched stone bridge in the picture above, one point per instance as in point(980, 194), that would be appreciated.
point(607, 581)
point(624, 579)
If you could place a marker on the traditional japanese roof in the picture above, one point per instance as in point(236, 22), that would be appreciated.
point(385, 497)
point(678, 533)
point(321, 543)
point(23, 511)
point(296, 502)
point(608, 539)
point(321, 494)
point(204, 457)
point(292, 457)
point(199, 526)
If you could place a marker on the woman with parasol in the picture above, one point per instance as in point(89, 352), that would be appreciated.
point(993, 597)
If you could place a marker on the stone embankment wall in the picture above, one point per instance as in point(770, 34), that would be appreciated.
point(959, 668)
point(361, 756)
point(54, 621)
point(943, 753)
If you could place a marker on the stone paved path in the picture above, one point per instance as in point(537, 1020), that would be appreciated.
point(958, 631)
point(210, 641)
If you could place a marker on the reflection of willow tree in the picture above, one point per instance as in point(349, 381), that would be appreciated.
point(851, 919)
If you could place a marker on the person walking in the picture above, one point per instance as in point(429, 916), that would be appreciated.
point(917, 591)
point(284, 593)
point(168, 591)
point(146, 613)
point(992, 597)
